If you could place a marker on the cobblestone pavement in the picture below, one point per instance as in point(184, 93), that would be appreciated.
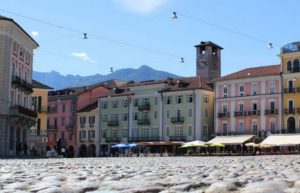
point(267, 174)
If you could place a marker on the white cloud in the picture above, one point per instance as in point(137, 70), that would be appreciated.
point(141, 6)
point(35, 33)
point(83, 56)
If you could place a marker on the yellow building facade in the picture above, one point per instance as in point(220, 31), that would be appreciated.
point(38, 133)
point(290, 67)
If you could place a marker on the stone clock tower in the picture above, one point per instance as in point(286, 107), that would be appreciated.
point(208, 63)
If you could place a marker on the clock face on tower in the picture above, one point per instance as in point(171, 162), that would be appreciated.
point(203, 63)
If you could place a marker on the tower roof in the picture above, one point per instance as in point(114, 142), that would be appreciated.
point(208, 43)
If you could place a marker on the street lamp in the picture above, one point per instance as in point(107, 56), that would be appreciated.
point(174, 15)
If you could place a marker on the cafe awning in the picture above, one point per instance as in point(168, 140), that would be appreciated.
point(232, 139)
point(282, 140)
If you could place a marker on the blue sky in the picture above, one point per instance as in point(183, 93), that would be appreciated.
point(131, 33)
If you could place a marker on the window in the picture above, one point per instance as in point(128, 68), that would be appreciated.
point(206, 113)
point(206, 98)
point(190, 98)
point(146, 115)
point(114, 133)
point(178, 113)
point(272, 127)
point(146, 100)
point(115, 117)
point(254, 106)
point(241, 127)
point(296, 67)
point(62, 135)
point(82, 121)
point(63, 108)
point(82, 135)
point(169, 100)
point(272, 105)
point(155, 101)
point(125, 103)
point(291, 106)
point(135, 116)
point(155, 132)
point(104, 104)
point(125, 116)
point(91, 135)
point(155, 114)
point(104, 133)
point(289, 66)
point(254, 127)
point(179, 131)
point(272, 87)
point(136, 102)
point(241, 107)
point(38, 127)
point(190, 130)
point(241, 90)
point(125, 132)
point(146, 132)
point(55, 122)
point(190, 112)
point(167, 131)
point(104, 117)
point(62, 121)
point(224, 108)
point(168, 114)
point(254, 89)
point(224, 91)
point(91, 121)
point(114, 104)
point(179, 99)
point(224, 128)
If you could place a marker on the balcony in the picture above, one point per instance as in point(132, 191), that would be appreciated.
point(144, 107)
point(177, 138)
point(23, 84)
point(240, 113)
point(16, 80)
point(143, 122)
point(41, 109)
point(289, 90)
point(234, 133)
point(113, 123)
point(224, 114)
point(271, 112)
point(289, 111)
point(112, 139)
point(139, 139)
point(177, 120)
point(294, 70)
point(70, 127)
point(18, 110)
point(255, 112)
point(52, 128)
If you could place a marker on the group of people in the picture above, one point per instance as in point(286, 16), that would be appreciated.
point(22, 150)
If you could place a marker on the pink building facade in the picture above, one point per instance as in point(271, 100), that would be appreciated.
point(249, 102)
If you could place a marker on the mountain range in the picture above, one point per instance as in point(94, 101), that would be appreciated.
point(58, 81)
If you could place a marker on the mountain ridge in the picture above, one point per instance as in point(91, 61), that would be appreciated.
point(58, 81)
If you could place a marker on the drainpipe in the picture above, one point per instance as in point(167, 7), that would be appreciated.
point(194, 112)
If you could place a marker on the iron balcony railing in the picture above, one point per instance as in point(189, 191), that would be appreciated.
point(289, 111)
point(52, 128)
point(240, 113)
point(144, 107)
point(18, 110)
point(112, 139)
point(140, 139)
point(113, 123)
point(143, 122)
point(271, 112)
point(177, 138)
point(223, 114)
point(177, 120)
point(254, 112)
point(289, 90)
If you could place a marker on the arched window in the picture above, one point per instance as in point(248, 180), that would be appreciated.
point(289, 66)
point(296, 67)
